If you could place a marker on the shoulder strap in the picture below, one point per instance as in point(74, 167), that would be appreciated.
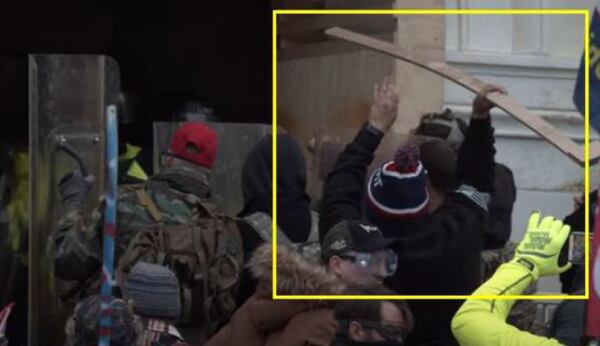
point(261, 222)
point(146, 201)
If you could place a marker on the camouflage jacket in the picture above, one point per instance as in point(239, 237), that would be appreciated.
point(179, 194)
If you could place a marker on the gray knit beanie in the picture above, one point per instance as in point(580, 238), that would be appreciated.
point(154, 290)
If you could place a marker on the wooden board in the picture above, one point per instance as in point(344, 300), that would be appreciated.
point(505, 102)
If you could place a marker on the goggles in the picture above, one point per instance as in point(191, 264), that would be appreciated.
point(388, 331)
point(391, 333)
point(381, 262)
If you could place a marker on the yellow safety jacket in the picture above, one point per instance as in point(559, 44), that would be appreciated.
point(483, 322)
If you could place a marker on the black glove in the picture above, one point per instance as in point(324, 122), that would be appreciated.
point(74, 189)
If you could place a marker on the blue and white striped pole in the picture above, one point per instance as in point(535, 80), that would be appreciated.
point(110, 220)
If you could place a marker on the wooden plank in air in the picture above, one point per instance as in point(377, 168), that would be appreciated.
point(563, 143)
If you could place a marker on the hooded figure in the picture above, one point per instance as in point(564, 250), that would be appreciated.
point(262, 321)
point(293, 204)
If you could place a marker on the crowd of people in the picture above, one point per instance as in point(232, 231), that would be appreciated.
point(434, 220)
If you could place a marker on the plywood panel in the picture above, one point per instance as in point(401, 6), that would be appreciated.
point(327, 94)
point(332, 94)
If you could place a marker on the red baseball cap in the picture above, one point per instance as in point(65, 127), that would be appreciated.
point(198, 135)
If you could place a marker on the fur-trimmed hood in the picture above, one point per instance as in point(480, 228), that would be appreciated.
point(264, 321)
point(295, 275)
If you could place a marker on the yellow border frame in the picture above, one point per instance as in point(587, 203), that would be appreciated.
point(584, 13)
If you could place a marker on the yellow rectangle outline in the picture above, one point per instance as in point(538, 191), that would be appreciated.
point(586, 53)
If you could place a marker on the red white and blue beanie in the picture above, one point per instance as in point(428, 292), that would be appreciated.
point(399, 188)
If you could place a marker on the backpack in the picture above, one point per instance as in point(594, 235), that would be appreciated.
point(206, 255)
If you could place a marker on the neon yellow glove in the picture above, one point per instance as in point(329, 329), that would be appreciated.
point(541, 245)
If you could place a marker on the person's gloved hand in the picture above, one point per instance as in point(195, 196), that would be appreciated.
point(74, 189)
point(541, 245)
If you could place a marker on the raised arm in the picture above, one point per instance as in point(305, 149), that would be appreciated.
point(483, 322)
point(75, 247)
point(475, 164)
point(344, 186)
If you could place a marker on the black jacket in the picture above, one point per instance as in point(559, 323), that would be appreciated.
point(439, 254)
point(343, 189)
point(439, 158)
point(293, 204)
point(503, 199)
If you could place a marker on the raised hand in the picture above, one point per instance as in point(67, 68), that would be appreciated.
point(541, 245)
point(481, 105)
point(385, 105)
